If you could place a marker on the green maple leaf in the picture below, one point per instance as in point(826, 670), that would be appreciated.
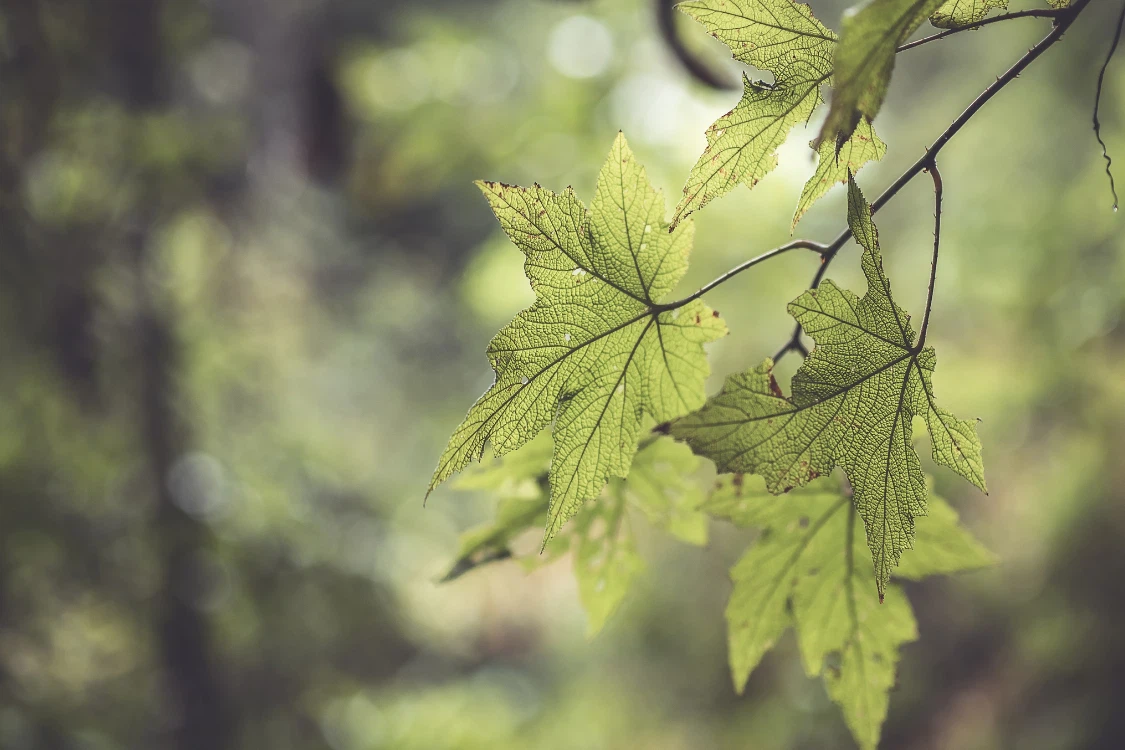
point(606, 562)
point(832, 167)
point(810, 568)
point(783, 38)
point(865, 59)
point(956, 13)
point(597, 354)
point(852, 405)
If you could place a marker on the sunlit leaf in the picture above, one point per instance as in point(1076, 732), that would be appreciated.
point(832, 167)
point(595, 355)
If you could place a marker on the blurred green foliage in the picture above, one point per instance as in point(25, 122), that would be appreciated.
point(246, 289)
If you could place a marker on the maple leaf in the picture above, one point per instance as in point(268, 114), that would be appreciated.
point(832, 167)
point(852, 404)
point(810, 568)
point(597, 354)
point(783, 38)
point(865, 59)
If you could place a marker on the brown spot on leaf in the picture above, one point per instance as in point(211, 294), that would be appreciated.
point(775, 389)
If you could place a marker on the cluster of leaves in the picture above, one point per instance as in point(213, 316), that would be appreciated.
point(603, 359)
point(853, 403)
point(808, 568)
point(783, 38)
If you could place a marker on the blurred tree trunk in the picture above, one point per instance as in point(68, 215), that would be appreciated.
point(203, 715)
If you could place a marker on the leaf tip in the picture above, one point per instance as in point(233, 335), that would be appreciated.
point(434, 482)
point(554, 525)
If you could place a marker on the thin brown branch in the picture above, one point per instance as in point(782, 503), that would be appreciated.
point(1063, 21)
point(1035, 13)
point(816, 247)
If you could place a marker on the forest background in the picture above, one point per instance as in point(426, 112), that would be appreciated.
point(246, 284)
